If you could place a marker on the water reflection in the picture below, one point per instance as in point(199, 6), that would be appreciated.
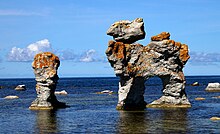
point(153, 121)
point(175, 120)
point(46, 122)
point(132, 122)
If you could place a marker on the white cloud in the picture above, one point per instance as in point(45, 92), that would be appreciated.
point(201, 58)
point(89, 56)
point(28, 53)
point(67, 55)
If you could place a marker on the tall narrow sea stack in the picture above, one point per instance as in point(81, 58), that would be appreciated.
point(135, 63)
point(45, 67)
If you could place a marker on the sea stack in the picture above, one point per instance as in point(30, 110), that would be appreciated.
point(135, 63)
point(45, 67)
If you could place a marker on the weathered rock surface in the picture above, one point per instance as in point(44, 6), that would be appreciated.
point(45, 67)
point(213, 87)
point(126, 31)
point(135, 63)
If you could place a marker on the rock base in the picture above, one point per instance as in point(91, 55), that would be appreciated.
point(169, 102)
point(37, 106)
point(140, 106)
point(168, 106)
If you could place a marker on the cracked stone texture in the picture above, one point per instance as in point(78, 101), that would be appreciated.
point(135, 63)
point(127, 31)
point(45, 67)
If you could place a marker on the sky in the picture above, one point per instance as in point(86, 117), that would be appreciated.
point(75, 30)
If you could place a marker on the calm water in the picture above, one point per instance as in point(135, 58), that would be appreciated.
point(95, 113)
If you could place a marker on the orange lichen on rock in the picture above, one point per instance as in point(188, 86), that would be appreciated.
point(45, 60)
point(184, 55)
point(161, 36)
point(183, 50)
point(132, 70)
point(117, 49)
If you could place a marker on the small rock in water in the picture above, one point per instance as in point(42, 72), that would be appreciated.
point(20, 88)
point(199, 98)
point(215, 118)
point(105, 92)
point(195, 84)
point(63, 92)
point(11, 97)
point(213, 87)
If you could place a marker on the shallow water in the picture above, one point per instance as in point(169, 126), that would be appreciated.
point(95, 113)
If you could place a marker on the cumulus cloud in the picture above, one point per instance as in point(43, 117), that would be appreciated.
point(88, 56)
point(91, 56)
point(201, 58)
point(66, 55)
point(27, 54)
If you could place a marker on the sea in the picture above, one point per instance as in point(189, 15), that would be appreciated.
point(89, 112)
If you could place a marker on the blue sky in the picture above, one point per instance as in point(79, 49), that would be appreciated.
point(75, 30)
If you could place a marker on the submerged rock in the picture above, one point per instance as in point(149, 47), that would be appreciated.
point(199, 98)
point(216, 97)
point(135, 63)
point(45, 67)
point(11, 97)
point(20, 88)
point(213, 87)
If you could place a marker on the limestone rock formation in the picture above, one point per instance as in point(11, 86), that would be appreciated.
point(126, 31)
point(135, 63)
point(45, 67)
